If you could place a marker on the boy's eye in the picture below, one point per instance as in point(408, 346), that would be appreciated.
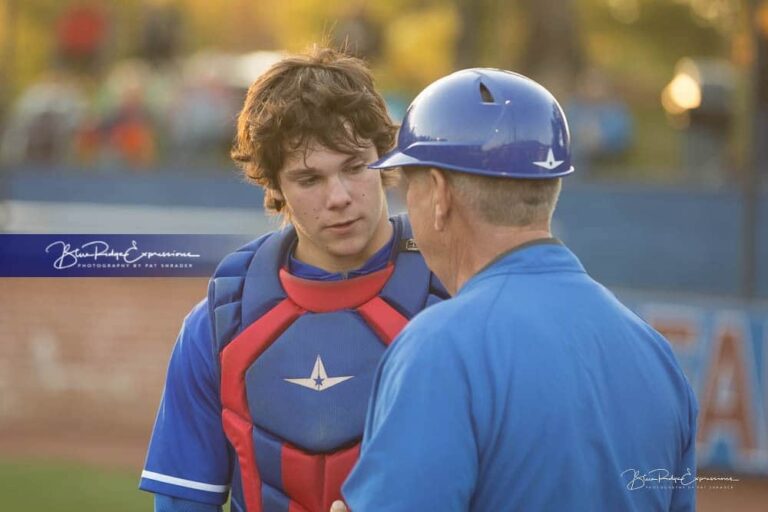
point(356, 168)
point(307, 181)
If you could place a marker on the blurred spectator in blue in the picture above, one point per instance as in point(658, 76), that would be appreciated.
point(202, 112)
point(600, 122)
point(43, 121)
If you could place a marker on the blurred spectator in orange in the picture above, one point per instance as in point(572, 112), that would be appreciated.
point(130, 134)
point(127, 129)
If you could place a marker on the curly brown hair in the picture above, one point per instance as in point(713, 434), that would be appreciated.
point(322, 96)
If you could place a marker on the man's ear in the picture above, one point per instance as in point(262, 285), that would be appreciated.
point(441, 197)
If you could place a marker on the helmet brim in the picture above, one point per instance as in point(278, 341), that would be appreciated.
point(394, 159)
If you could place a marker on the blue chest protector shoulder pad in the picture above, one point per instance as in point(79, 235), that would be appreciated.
point(410, 288)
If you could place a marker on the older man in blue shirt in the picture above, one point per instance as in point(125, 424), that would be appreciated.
point(533, 388)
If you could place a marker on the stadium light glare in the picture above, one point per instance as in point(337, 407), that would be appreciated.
point(685, 91)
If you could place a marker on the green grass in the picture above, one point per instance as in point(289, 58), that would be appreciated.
point(35, 486)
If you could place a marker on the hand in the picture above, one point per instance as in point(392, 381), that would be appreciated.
point(339, 506)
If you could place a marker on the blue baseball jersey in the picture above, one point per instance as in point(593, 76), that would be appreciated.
point(533, 388)
point(188, 455)
point(281, 429)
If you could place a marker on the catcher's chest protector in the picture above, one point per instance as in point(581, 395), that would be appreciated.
point(297, 359)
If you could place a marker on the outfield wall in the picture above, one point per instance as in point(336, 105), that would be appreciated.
point(632, 236)
point(722, 346)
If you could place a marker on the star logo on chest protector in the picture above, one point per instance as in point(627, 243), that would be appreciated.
point(319, 379)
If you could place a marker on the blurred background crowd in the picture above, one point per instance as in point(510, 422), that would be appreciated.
point(655, 90)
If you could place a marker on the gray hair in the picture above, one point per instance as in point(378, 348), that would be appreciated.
point(507, 201)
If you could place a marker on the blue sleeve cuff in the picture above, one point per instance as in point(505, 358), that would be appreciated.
point(186, 490)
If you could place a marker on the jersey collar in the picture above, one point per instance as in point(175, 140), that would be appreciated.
point(376, 262)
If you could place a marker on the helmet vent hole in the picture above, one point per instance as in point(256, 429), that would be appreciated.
point(486, 94)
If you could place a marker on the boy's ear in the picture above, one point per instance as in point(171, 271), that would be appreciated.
point(276, 194)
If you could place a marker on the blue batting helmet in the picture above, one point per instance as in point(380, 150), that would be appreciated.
point(484, 121)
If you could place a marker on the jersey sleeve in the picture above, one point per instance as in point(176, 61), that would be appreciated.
point(188, 456)
point(409, 459)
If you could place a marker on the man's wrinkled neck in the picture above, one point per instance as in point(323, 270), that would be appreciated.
point(473, 250)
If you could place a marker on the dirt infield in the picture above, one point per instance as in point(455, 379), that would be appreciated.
point(82, 364)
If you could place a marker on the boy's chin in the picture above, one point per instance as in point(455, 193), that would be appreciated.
point(349, 249)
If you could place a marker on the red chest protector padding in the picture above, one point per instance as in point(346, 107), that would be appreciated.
point(384, 299)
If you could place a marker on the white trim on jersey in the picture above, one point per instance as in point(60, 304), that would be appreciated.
point(191, 484)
